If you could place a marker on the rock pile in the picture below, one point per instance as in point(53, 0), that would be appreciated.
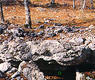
point(18, 56)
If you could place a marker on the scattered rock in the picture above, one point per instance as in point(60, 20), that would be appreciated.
point(33, 35)
point(91, 27)
point(70, 29)
point(1, 61)
point(12, 70)
point(2, 75)
point(78, 41)
point(40, 33)
point(1, 30)
point(23, 63)
point(67, 29)
point(19, 78)
point(27, 57)
point(20, 32)
point(32, 72)
point(41, 27)
point(58, 24)
point(26, 72)
point(58, 31)
point(16, 74)
point(8, 57)
point(4, 67)
point(51, 34)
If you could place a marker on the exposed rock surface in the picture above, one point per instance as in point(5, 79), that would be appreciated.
point(5, 66)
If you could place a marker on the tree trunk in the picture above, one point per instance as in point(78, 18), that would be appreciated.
point(81, 3)
point(73, 4)
point(52, 1)
point(27, 13)
point(91, 1)
point(1, 13)
point(84, 4)
point(79, 76)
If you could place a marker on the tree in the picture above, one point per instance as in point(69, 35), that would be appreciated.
point(79, 76)
point(84, 4)
point(91, 1)
point(1, 12)
point(73, 4)
point(52, 1)
point(27, 13)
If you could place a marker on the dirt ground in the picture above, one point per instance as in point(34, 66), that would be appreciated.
point(61, 13)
